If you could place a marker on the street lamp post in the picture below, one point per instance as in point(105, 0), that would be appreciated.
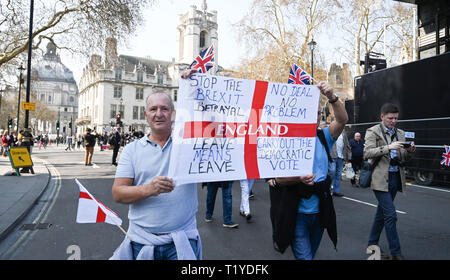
point(312, 46)
point(30, 45)
point(18, 102)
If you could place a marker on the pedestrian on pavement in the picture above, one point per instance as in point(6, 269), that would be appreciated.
point(357, 149)
point(385, 144)
point(340, 155)
point(246, 189)
point(302, 207)
point(5, 143)
point(162, 215)
point(115, 140)
point(69, 142)
point(227, 202)
point(13, 139)
point(89, 142)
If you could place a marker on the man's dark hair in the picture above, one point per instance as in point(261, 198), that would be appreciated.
point(389, 108)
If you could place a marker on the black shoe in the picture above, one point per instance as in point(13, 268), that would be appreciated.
point(384, 255)
point(114, 163)
point(338, 194)
point(251, 196)
point(398, 258)
point(248, 217)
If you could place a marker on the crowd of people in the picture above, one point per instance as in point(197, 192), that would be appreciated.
point(162, 215)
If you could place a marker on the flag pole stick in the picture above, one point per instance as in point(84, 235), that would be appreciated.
point(121, 228)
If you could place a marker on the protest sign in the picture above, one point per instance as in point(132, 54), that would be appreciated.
point(232, 129)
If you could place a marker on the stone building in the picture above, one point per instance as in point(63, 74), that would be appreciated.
point(119, 84)
point(340, 78)
point(54, 84)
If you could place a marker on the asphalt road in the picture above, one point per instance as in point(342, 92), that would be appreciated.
point(423, 220)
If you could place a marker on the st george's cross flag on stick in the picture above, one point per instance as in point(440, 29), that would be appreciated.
point(232, 129)
point(91, 210)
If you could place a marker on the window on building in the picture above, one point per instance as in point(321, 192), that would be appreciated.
point(43, 97)
point(140, 77)
point(142, 116)
point(160, 79)
point(71, 99)
point(202, 39)
point(49, 99)
point(175, 95)
point(181, 44)
point(117, 91)
point(135, 112)
point(139, 93)
point(118, 74)
point(122, 111)
point(113, 111)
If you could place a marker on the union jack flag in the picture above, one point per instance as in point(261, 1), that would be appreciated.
point(446, 156)
point(299, 76)
point(204, 61)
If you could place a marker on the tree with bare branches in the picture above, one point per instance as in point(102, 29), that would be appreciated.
point(365, 22)
point(80, 26)
point(277, 33)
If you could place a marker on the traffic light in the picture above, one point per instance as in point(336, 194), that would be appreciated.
point(118, 121)
point(373, 61)
point(10, 122)
point(70, 125)
point(57, 125)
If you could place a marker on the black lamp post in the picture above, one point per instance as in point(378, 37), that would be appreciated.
point(30, 44)
point(312, 46)
point(18, 102)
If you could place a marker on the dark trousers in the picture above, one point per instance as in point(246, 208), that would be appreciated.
point(115, 152)
point(356, 165)
point(386, 216)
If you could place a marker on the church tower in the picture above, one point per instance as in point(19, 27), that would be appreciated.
point(197, 30)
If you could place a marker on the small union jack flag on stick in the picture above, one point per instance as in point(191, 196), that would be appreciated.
point(446, 156)
point(299, 76)
point(204, 61)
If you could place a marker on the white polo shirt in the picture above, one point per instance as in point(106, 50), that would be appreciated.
point(167, 212)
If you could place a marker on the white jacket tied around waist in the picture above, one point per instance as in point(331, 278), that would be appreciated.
point(140, 235)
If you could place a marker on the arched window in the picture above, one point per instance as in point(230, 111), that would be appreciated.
point(203, 39)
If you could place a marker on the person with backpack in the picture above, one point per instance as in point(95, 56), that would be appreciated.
point(302, 207)
point(89, 142)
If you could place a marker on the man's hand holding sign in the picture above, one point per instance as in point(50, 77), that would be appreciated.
point(335, 127)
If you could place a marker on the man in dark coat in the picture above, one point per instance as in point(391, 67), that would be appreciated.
point(115, 140)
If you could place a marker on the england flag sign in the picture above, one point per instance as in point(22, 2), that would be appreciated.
point(233, 129)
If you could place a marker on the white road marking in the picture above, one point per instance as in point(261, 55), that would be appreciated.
point(428, 188)
point(370, 204)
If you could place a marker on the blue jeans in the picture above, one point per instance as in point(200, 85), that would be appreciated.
point(386, 216)
point(308, 234)
point(164, 252)
point(336, 167)
point(226, 200)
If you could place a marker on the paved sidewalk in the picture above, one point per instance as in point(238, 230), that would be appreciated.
point(18, 194)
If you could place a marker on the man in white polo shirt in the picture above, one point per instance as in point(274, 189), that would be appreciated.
point(162, 218)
